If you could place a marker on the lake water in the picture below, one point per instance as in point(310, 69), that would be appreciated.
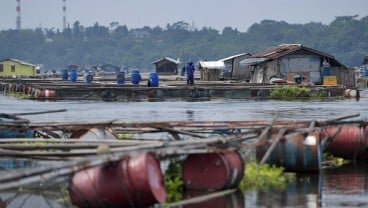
point(342, 187)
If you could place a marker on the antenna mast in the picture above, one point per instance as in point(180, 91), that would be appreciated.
point(18, 21)
point(64, 14)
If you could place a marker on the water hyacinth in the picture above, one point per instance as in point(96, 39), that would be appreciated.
point(290, 91)
point(264, 177)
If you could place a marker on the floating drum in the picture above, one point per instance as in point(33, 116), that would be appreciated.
point(349, 143)
point(44, 93)
point(136, 181)
point(294, 152)
point(153, 79)
point(120, 78)
point(350, 93)
point(87, 77)
point(212, 171)
point(135, 77)
point(73, 75)
point(64, 74)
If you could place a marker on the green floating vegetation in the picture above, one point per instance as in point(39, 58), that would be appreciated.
point(174, 182)
point(125, 136)
point(292, 91)
point(264, 177)
point(18, 95)
point(331, 161)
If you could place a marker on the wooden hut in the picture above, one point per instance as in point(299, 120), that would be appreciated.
point(233, 70)
point(287, 61)
point(166, 66)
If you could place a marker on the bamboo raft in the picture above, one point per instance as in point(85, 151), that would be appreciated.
point(72, 147)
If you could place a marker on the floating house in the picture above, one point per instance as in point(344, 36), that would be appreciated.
point(233, 70)
point(108, 71)
point(290, 61)
point(14, 67)
point(166, 66)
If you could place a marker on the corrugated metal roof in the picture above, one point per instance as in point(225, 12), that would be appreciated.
point(234, 56)
point(284, 49)
point(168, 59)
point(18, 61)
point(211, 64)
point(278, 51)
point(251, 61)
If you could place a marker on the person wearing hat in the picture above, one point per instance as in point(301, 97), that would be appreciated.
point(190, 72)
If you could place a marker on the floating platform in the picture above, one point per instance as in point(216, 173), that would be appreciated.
point(168, 89)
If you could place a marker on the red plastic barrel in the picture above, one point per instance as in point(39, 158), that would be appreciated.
point(29, 90)
point(212, 171)
point(134, 182)
point(349, 143)
point(44, 93)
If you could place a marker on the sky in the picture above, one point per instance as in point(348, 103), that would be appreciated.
point(215, 14)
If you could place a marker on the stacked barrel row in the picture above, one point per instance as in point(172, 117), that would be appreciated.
point(303, 152)
point(29, 90)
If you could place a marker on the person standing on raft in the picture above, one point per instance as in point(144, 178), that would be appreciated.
point(190, 73)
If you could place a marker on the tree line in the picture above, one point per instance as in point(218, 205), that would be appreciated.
point(346, 38)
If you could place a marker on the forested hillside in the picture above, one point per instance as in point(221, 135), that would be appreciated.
point(346, 38)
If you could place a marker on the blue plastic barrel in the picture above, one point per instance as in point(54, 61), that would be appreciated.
point(326, 71)
point(120, 78)
point(87, 77)
point(153, 79)
point(296, 152)
point(73, 75)
point(64, 74)
point(136, 77)
point(366, 72)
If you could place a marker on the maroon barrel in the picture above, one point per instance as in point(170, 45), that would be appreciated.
point(212, 171)
point(115, 185)
point(147, 179)
point(349, 143)
point(236, 165)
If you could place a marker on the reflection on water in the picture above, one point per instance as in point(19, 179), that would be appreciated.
point(346, 187)
point(305, 191)
point(233, 200)
point(34, 198)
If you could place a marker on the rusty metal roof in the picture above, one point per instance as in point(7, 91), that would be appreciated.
point(284, 49)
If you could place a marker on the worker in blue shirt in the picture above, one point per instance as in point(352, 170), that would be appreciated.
point(190, 73)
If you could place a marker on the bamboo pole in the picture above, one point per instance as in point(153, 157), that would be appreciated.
point(40, 112)
point(198, 199)
point(273, 145)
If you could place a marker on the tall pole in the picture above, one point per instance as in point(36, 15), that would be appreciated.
point(18, 21)
point(64, 14)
